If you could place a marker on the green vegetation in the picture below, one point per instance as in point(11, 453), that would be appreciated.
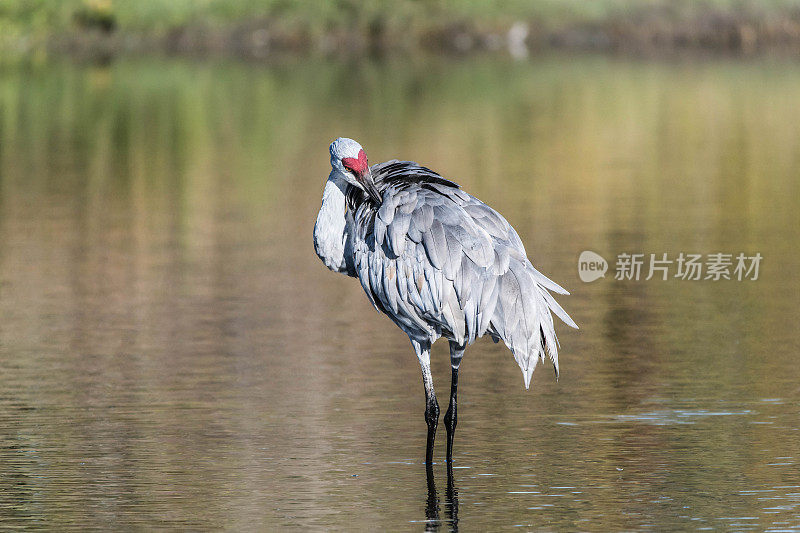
point(248, 25)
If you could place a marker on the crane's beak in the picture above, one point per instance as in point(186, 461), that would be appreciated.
point(366, 181)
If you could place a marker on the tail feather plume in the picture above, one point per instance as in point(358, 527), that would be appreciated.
point(523, 319)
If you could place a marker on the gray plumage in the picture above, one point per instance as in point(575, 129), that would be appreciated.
point(441, 263)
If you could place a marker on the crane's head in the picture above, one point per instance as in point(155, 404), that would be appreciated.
point(350, 160)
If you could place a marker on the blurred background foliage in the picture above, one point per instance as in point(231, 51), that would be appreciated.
point(247, 25)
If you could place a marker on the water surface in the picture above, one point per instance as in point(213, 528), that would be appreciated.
point(174, 355)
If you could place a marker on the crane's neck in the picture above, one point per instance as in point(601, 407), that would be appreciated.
point(332, 232)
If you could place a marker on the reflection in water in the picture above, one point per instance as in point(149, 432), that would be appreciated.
point(432, 501)
point(451, 501)
point(433, 520)
point(173, 354)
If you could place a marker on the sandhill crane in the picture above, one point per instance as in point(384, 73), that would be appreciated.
point(438, 262)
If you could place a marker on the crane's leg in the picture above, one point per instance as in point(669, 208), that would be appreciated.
point(450, 418)
point(423, 351)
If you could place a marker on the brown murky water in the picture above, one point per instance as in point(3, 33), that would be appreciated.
point(174, 355)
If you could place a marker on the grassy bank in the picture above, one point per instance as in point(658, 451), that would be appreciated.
point(261, 27)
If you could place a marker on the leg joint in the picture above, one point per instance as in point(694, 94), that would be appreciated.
point(432, 412)
point(450, 417)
